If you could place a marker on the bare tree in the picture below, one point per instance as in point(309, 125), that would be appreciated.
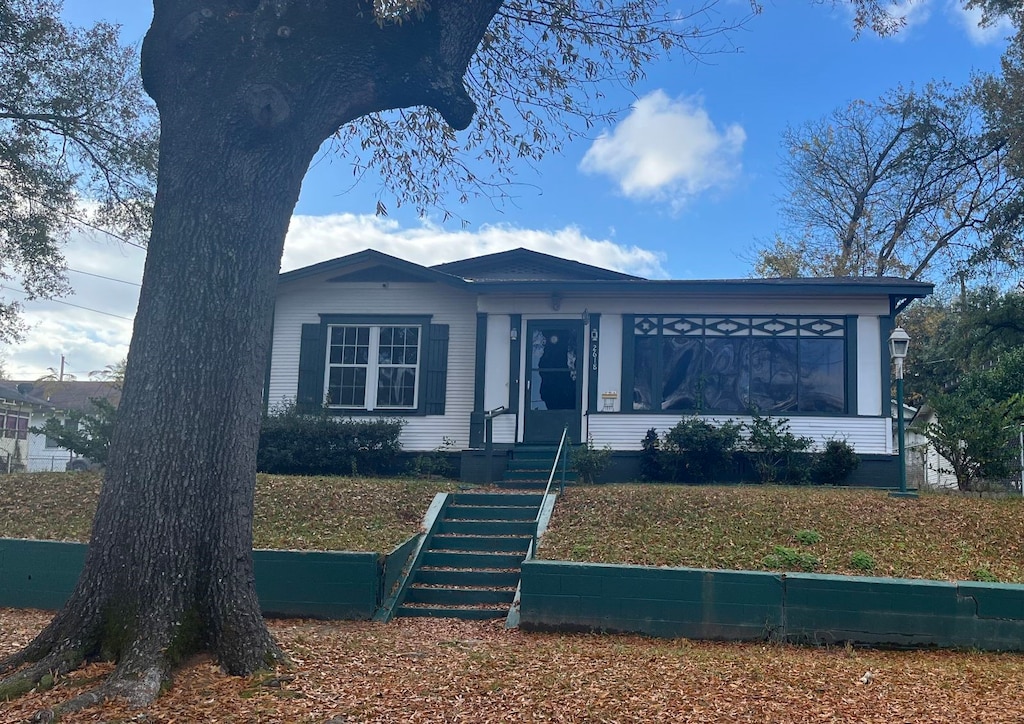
point(905, 186)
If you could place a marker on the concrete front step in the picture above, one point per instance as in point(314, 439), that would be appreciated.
point(487, 527)
point(460, 559)
point(475, 613)
point(481, 543)
point(456, 577)
point(498, 499)
point(459, 596)
point(490, 512)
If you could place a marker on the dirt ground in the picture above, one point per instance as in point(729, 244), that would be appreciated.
point(423, 670)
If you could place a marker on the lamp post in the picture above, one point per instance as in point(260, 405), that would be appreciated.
point(899, 342)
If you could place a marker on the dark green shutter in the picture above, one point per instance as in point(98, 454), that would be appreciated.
point(309, 396)
point(435, 379)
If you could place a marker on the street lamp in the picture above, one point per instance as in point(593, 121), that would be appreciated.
point(899, 342)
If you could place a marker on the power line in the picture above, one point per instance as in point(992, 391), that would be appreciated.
point(100, 276)
point(69, 304)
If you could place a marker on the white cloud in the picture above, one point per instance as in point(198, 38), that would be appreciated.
point(90, 340)
point(86, 337)
point(667, 150)
point(970, 19)
point(312, 239)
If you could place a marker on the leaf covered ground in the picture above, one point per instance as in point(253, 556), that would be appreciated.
point(292, 512)
point(943, 537)
point(438, 670)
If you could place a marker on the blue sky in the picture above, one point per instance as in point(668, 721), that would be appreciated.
point(681, 186)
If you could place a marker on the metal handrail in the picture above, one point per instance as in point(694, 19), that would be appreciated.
point(489, 416)
point(554, 466)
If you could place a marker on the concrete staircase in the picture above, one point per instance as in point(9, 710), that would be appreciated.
point(530, 466)
point(470, 567)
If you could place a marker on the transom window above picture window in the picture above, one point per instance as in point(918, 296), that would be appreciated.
point(373, 367)
point(739, 364)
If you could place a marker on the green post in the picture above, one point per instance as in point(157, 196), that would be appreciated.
point(899, 342)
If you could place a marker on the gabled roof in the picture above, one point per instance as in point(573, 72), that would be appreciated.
point(11, 393)
point(525, 271)
point(371, 265)
point(69, 394)
point(526, 265)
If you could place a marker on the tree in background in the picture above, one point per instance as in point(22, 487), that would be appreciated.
point(247, 93)
point(85, 433)
point(977, 423)
point(956, 335)
point(77, 146)
point(905, 186)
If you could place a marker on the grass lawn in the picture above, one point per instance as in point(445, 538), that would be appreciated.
point(943, 537)
point(292, 512)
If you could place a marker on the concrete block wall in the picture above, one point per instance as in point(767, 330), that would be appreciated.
point(753, 605)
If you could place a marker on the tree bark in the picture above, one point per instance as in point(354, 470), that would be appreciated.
point(247, 92)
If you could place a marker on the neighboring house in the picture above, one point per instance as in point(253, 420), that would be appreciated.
point(17, 409)
point(57, 400)
point(933, 470)
point(548, 343)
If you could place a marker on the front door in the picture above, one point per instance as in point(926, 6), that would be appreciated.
point(554, 380)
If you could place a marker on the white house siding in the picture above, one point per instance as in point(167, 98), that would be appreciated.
point(305, 300)
point(609, 373)
point(869, 374)
point(41, 458)
point(866, 435)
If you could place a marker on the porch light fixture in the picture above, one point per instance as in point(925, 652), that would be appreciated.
point(556, 301)
point(513, 334)
point(899, 343)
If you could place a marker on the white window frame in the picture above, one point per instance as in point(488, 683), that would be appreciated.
point(374, 366)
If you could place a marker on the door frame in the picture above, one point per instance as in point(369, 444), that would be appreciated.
point(539, 425)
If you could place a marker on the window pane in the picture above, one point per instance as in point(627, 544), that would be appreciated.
point(681, 364)
point(643, 373)
point(346, 386)
point(822, 375)
point(396, 387)
point(726, 378)
point(773, 374)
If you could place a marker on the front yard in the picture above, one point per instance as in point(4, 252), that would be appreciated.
point(827, 530)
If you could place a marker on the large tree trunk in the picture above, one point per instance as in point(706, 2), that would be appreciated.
point(246, 97)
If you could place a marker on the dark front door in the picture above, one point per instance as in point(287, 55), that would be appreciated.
point(554, 380)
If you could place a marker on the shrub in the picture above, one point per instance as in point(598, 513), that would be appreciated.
point(650, 456)
point(436, 463)
point(984, 575)
point(776, 452)
point(589, 462)
point(694, 450)
point(807, 537)
point(862, 561)
point(783, 557)
point(291, 443)
point(834, 464)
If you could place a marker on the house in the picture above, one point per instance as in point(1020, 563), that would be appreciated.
point(530, 344)
point(55, 399)
point(16, 410)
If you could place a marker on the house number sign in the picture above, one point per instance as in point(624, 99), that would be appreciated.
point(593, 350)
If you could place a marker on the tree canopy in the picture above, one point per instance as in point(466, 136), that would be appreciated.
point(905, 186)
point(77, 146)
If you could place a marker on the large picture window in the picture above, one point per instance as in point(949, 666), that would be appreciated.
point(771, 365)
point(373, 367)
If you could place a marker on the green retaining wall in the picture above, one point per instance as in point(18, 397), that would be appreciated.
point(753, 605)
point(316, 584)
